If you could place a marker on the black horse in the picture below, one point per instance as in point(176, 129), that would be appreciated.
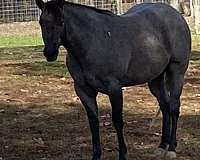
point(151, 43)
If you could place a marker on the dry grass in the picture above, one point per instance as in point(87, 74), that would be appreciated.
point(20, 34)
point(20, 29)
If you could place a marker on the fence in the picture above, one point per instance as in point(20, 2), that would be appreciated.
point(26, 30)
point(26, 10)
point(17, 10)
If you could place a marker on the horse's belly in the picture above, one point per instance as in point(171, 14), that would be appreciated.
point(143, 70)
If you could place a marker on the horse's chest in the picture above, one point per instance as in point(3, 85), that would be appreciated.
point(96, 82)
point(96, 72)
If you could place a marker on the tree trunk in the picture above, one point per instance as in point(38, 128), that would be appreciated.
point(175, 4)
point(192, 8)
point(119, 7)
point(196, 4)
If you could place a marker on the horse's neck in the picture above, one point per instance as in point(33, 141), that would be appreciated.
point(81, 23)
point(82, 11)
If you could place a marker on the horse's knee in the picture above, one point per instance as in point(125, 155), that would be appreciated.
point(175, 106)
point(164, 106)
point(170, 155)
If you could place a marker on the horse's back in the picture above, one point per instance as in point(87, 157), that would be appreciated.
point(169, 25)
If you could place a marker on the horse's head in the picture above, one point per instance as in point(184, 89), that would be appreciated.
point(52, 26)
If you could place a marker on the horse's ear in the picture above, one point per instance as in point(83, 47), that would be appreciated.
point(40, 4)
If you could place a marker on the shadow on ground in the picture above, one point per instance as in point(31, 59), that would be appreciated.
point(38, 69)
point(35, 132)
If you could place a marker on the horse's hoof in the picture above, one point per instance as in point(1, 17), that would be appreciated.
point(170, 155)
point(122, 158)
point(95, 158)
point(159, 153)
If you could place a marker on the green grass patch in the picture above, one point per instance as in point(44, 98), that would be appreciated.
point(35, 40)
point(18, 41)
point(21, 53)
point(30, 62)
point(43, 68)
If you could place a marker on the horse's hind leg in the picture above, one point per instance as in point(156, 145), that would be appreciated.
point(175, 76)
point(159, 89)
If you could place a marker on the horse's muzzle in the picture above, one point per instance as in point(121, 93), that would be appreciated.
point(51, 55)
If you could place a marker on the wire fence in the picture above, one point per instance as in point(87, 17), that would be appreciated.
point(18, 11)
point(18, 19)
point(26, 10)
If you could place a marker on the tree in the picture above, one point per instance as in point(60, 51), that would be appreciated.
point(192, 8)
point(175, 4)
point(195, 8)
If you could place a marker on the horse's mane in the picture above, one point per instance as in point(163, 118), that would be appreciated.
point(103, 11)
point(53, 6)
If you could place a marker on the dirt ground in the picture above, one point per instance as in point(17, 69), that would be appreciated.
point(42, 119)
point(20, 29)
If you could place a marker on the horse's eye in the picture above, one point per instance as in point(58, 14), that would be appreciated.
point(61, 23)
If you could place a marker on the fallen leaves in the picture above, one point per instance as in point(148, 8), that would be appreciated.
point(82, 142)
point(110, 149)
point(142, 132)
point(2, 110)
point(38, 140)
point(63, 79)
point(24, 90)
point(76, 99)
point(104, 124)
point(106, 116)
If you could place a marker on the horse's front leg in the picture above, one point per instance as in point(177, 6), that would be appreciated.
point(88, 99)
point(116, 99)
